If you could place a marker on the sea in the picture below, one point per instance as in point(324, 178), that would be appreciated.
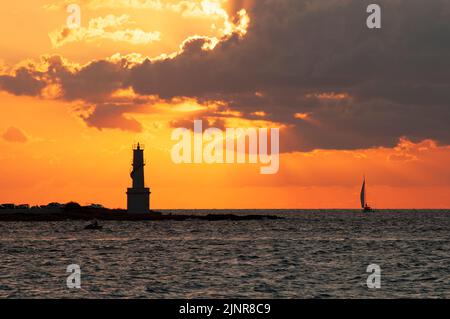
point(308, 254)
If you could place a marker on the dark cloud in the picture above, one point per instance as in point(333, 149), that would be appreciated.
point(188, 123)
point(14, 135)
point(24, 82)
point(113, 116)
point(397, 77)
point(95, 81)
point(296, 54)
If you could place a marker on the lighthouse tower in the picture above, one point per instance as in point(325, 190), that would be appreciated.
point(138, 196)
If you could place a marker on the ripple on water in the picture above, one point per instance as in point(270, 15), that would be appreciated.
point(310, 255)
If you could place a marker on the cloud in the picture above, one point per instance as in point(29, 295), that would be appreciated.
point(99, 29)
point(14, 135)
point(23, 81)
point(112, 116)
point(95, 81)
point(371, 87)
point(217, 10)
point(408, 164)
point(361, 88)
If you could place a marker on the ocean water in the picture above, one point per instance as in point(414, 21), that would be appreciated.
point(310, 254)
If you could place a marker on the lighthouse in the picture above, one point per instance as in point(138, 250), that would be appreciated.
point(138, 196)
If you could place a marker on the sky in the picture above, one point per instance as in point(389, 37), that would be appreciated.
point(349, 101)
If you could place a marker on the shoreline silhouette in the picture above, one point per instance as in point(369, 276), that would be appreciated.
point(74, 211)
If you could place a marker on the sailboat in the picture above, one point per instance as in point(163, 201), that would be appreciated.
point(364, 205)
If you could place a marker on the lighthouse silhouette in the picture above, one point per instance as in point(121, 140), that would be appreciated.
point(138, 196)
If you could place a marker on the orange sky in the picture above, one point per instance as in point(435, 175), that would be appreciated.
point(48, 153)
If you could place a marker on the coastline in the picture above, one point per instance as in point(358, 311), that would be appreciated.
point(87, 214)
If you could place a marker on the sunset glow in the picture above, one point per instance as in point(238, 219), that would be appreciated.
point(67, 121)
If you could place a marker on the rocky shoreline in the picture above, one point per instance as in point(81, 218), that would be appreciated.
point(85, 214)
